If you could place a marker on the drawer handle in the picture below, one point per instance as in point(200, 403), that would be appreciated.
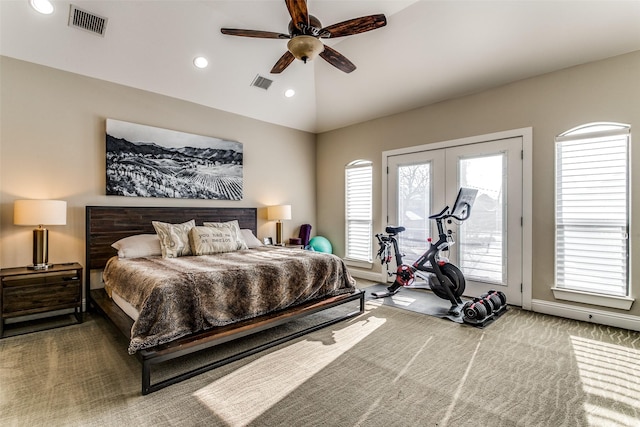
point(70, 278)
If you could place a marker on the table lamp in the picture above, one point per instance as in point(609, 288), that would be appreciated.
point(40, 212)
point(278, 213)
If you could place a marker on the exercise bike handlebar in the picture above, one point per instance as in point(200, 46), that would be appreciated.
point(444, 214)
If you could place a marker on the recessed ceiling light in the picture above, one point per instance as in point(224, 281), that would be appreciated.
point(200, 62)
point(289, 93)
point(42, 6)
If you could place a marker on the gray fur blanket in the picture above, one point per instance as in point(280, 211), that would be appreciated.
point(180, 296)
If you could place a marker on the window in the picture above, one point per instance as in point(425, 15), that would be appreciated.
point(592, 210)
point(358, 202)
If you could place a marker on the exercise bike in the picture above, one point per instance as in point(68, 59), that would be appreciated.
point(445, 279)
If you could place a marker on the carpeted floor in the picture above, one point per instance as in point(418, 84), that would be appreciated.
point(387, 367)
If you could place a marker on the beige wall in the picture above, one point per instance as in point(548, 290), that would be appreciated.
point(607, 90)
point(52, 145)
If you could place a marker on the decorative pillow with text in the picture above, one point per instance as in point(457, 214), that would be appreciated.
point(212, 240)
point(234, 227)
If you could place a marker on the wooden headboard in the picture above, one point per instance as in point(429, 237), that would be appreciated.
point(108, 224)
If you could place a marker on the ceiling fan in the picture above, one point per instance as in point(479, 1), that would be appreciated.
point(305, 32)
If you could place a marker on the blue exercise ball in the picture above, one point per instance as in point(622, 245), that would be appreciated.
point(320, 244)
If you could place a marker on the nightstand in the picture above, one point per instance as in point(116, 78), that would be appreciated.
point(26, 292)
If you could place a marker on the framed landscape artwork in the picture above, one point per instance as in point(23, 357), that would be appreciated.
point(145, 161)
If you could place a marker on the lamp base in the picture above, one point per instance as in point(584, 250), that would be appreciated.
point(40, 249)
point(279, 233)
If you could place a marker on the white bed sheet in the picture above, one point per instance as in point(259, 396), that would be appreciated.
point(125, 306)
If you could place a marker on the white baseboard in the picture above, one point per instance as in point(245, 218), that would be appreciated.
point(586, 314)
point(368, 275)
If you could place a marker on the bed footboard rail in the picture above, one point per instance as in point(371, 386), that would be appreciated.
point(220, 335)
point(190, 345)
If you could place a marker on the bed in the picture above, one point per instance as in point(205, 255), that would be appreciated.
point(204, 328)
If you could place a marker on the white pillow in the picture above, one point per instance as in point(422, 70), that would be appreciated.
point(137, 246)
point(251, 240)
point(234, 227)
point(174, 238)
point(212, 240)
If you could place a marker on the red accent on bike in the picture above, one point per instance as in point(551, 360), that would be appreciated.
point(441, 263)
point(429, 239)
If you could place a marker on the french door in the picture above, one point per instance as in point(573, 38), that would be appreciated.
point(488, 245)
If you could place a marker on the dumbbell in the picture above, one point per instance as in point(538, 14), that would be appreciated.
point(475, 311)
point(494, 300)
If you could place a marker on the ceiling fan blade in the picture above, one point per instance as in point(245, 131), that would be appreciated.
point(355, 26)
point(337, 59)
point(283, 63)
point(254, 33)
point(299, 13)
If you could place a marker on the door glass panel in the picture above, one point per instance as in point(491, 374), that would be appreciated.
point(414, 202)
point(481, 238)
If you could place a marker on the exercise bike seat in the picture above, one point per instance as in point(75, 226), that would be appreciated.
point(394, 230)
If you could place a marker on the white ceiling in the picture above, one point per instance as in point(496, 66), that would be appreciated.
point(429, 51)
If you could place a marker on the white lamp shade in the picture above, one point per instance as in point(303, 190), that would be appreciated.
point(40, 212)
point(278, 212)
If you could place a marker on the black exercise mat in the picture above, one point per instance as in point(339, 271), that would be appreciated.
point(416, 300)
point(421, 301)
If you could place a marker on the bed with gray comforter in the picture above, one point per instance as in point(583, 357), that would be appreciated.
point(176, 297)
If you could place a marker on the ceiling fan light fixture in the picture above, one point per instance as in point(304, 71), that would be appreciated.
point(305, 48)
point(305, 30)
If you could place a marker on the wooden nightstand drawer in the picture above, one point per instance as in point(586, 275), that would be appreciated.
point(25, 292)
point(31, 299)
point(22, 281)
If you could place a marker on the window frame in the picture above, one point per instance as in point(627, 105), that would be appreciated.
point(590, 132)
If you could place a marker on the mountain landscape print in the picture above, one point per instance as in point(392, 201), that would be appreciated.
point(145, 161)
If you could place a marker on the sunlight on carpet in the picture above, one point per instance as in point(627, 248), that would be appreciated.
point(398, 299)
point(267, 380)
point(461, 384)
point(608, 372)
point(374, 406)
point(403, 300)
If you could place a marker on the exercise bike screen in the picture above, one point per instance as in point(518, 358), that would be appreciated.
point(464, 202)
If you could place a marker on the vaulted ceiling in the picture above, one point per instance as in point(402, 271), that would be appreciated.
point(429, 50)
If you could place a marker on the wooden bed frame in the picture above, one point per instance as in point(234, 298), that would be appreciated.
point(107, 224)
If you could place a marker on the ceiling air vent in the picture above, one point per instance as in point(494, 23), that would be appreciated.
point(261, 82)
point(87, 21)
